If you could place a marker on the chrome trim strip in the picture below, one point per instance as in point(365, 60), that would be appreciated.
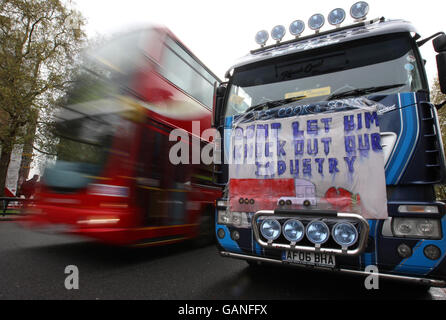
point(425, 281)
point(345, 252)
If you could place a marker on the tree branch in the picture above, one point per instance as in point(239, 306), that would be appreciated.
point(44, 152)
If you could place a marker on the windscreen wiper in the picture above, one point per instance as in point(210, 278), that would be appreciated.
point(362, 91)
point(275, 103)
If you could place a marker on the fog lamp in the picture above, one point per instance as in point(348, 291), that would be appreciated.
point(221, 233)
point(432, 252)
point(404, 251)
point(235, 235)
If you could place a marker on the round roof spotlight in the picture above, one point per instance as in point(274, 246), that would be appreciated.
point(316, 22)
point(278, 33)
point(297, 27)
point(359, 10)
point(336, 17)
point(261, 37)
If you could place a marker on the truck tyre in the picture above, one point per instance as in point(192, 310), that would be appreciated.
point(206, 234)
point(254, 265)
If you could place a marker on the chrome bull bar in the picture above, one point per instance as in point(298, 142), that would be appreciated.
point(396, 277)
point(313, 214)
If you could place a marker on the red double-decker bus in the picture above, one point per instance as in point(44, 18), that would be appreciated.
point(112, 179)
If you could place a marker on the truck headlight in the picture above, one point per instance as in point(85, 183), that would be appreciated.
point(236, 219)
point(317, 232)
point(270, 229)
point(345, 234)
point(224, 217)
point(416, 227)
point(293, 230)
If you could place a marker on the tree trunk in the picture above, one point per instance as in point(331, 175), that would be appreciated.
point(5, 158)
point(27, 157)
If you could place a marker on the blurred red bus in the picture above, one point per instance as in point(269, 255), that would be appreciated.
point(112, 179)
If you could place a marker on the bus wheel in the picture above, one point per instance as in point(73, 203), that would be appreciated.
point(307, 203)
point(281, 203)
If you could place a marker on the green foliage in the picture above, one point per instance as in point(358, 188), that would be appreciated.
point(437, 97)
point(39, 41)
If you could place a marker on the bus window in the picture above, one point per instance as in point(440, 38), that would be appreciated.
point(185, 72)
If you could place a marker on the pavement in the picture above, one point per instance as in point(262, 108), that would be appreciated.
point(10, 217)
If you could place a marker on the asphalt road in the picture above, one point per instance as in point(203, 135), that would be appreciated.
point(32, 266)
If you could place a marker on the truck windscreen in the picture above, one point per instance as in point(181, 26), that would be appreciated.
point(315, 75)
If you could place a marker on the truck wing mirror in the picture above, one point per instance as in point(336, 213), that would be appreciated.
point(219, 95)
point(440, 43)
point(441, 66)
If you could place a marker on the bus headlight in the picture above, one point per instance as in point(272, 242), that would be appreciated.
point(317, 232)
point(293, 230)
point(270, 229)
point(345, 234)
point(416, 227)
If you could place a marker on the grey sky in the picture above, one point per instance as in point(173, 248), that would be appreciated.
point(219, 32)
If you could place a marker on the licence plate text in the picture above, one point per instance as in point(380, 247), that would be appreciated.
point(310, 258)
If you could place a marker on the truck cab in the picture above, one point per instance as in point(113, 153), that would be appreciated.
point(369, 64)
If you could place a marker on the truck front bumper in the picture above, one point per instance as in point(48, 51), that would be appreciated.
point(411, 279)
